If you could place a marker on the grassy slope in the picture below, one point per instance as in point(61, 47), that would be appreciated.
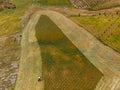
point(106, 28)
point(55, 2)
point(101, 4)
point(108, 4)
point(10, 50)
point(64, 67)
point(10, 19)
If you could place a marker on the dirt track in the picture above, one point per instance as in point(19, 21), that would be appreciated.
point(30, 64)
point(103, 57)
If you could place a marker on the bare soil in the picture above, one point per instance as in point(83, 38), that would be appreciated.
point(9, 61)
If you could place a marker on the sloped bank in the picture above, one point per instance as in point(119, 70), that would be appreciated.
point(103, 57)
point(64, 66)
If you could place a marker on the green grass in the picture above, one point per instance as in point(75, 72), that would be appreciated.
point(9, 24)
point(101, 4)
point(105, 28)
point(10, 19)
point(64, 66)
point(55, 3)
point(107, 4)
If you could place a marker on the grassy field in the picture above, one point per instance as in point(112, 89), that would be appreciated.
point(10, 19)
point(64, 67)
point(104, 27)
point(55, 3)
point(107, 4)
point(101, 4)
point(10, 50)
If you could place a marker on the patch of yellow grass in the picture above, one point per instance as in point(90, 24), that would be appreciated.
point(106, 28)
point(10, 19)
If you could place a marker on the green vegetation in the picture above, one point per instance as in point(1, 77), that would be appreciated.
point(104, 27)
point(101, 4)
point(10, 19)
point(9, 49)
point(106, 6)
point(64, 66)
point(54, 2)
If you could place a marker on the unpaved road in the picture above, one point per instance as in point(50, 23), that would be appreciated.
point(30, 64)
point(103, 57)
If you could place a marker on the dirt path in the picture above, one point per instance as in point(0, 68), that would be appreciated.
point(99, 54)
point(83, 12)
point(103, 57)
point(30, 64)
